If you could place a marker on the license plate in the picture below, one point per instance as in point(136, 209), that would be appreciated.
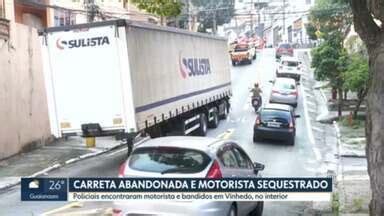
point(290, 68)
point(273, 124)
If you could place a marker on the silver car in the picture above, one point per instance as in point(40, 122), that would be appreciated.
point(178, 157)
point(284, 91)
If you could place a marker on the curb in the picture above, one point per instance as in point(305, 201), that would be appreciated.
point(311, 137)
point(67, 162)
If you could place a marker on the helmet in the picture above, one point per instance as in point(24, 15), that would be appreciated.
point(256, 84)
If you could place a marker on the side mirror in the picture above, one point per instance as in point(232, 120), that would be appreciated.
point(297, 116)
point(258, 167)
point(271, 81)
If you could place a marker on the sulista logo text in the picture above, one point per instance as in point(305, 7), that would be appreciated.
point(82, 42)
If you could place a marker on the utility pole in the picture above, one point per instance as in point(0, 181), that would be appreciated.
point(92, 10)
point(284, 18)
point(252, 16)
point(214, 23)
point(189, 17)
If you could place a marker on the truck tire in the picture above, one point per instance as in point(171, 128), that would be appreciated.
point(215, 121)
point(233, 63)
point(202, 131)
point(225, 112)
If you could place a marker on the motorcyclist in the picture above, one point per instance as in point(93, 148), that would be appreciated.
point(256, 95)
point(256, 91)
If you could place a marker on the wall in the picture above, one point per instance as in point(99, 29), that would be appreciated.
point(23, 105)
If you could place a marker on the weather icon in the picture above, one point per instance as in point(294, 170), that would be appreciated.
point(33, 184)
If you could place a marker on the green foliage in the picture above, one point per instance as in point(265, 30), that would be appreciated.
point(357, 73)
point(162, 8)
point(329, 16)
point(311, 31)
point(330, 60)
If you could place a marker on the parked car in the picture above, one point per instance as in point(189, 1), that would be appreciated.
point(275, 121)
point(289, 67)
point(284, 49)
point(284, 90)
point(181, 157)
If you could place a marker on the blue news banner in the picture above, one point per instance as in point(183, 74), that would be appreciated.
point(93, 189)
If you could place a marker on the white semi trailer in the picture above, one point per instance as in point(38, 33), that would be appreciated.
point(124, 77)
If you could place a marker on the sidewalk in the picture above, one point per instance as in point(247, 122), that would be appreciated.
point(44, 159)
point(342, 152)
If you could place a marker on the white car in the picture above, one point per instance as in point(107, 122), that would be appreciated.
point(289, 67)
point(181, 157)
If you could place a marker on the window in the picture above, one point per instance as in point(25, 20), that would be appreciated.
point(228, 158)
point(290, 63)
point(63, 18)
point(269, 114)
point(285, 85)
point(285, 46)
point(242, 158)
point(160, 159)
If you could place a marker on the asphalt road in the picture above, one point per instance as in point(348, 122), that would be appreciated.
point(280, 159)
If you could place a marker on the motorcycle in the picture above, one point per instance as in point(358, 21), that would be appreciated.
point(256, 102)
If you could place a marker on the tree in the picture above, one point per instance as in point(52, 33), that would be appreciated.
point(333, 19)
point(162, 8)
point(366, 14)
point(213, 13)
point(330, 61)
point(356, 78)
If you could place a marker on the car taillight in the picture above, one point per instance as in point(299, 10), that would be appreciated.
point(214, 172)
point(122, 169)
point(257, 120)
point(294, 93)
point(275, 92)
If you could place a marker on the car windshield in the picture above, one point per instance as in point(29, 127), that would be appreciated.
point(290, 63)
point(285, 46)
point(285, 85)
point(168, 160)
point(269, 114)
point(241, 49)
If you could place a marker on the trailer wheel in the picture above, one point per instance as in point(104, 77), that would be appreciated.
point(215, 119)
point(224, 114)
point(202, 131)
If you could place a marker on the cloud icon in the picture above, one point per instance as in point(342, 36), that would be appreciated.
point(33, 184)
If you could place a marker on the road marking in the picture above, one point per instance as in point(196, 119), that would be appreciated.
point(229, 133)
point(116, 152)
point(226, 134)
point(65, 207)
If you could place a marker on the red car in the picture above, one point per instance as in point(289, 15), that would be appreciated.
point(284, 49)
